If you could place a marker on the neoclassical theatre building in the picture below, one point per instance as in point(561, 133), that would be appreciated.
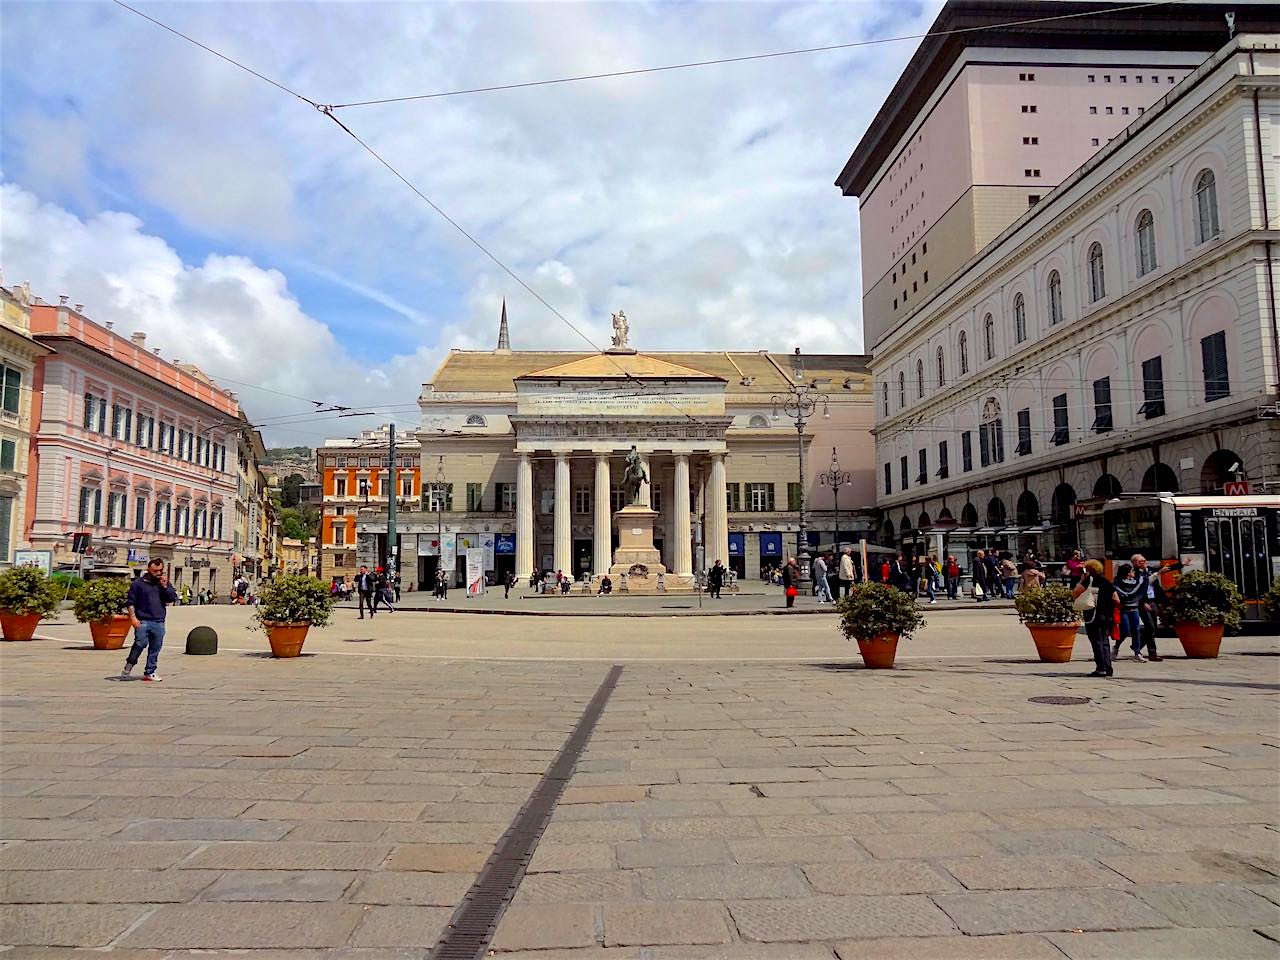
point(522, 454)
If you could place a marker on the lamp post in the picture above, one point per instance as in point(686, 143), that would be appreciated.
point(835, 478)
point(799, 403)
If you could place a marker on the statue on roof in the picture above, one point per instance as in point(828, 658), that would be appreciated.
point(620, 330)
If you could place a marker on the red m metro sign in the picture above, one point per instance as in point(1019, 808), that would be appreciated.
point(1236, 488)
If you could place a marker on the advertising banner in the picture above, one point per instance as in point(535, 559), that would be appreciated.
point(475, 572)
point(428, 545)
point(41, 559)
point(505, 544)
point(488, 542)
point(448, 554)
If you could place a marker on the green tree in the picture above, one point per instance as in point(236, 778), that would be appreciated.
point(292, 528)
point(291, 490)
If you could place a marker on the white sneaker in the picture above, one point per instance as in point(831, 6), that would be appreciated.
point(151, 678)
point(1139, 657)
point(934, 600)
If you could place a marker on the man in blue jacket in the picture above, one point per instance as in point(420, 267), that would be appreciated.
point(149, 594)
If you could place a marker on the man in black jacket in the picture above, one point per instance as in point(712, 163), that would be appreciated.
point(366, 585)
point(149, 594)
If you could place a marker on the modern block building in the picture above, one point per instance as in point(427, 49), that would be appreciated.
point(1120, 335)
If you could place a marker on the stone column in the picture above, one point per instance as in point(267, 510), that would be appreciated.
point(645, 500)
point(524, 518)
point(682, 555)
point(604, 517)
point(717, 508)
point(563, 545)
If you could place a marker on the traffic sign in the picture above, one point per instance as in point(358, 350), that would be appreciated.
point(1236, 488)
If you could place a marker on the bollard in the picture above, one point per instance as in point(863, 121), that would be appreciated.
point(202, 642)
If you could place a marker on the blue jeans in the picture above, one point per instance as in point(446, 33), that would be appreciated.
point(823, 589)
point(953, 587)
point(148, 634)
point(930, 588)
point(1131, 626)
point(1009, 583)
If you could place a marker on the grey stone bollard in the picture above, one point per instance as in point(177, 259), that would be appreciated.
point(202, 642)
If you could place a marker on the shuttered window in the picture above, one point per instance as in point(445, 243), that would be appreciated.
point(1213, 352)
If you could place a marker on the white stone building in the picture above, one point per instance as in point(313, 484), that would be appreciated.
point(1121, 335)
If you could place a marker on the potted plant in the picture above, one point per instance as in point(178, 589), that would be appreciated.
point(1271, 602)
point(100, 603)
point(876, 616)
point(1053, 621)
point(1201, 606)
point(288, 607)
point(26, 596)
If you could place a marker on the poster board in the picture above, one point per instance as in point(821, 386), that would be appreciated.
point(475, 572)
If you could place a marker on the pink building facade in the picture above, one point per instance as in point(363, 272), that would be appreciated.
point(132, 449)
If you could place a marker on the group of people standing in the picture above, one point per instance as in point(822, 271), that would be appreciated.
point(1124, 609)
point(376, 588)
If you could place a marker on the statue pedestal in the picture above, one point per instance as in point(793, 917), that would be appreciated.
point(636, 555)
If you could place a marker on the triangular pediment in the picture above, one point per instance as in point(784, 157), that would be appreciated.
point(619, 366)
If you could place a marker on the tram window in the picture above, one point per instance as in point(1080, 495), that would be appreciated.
point(1248, 583)
point(1133, 530)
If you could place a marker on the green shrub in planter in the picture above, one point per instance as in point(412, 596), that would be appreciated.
point(26, 590)
point(1206, 599)
point(295, 598)
point(1272, 602)
point(101, 599)
point(873, 609)
point(68, 583)
point(1048, 604)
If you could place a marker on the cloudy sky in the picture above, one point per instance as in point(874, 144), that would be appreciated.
point(244, 231)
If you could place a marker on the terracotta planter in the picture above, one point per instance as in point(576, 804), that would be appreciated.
point(286, 638)
point(1199, 643)
point(110, 634)
point(1054, 641)
point(18, 626)
point(878, 653)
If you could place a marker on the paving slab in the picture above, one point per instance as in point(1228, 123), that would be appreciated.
point(1196, 866)
point(395, 888)
point(69, 925)
point(439, 857)
point(726, 882)
point(103, 886)
point(1029, 873)
point(898, 876)
point(641, 924)
point(417, 927)
point(283, 885)
point(1016, 946)
point(1211, 905)
point(1023, 911)
point(1181, 944)
point(546, 926)
point(833, 918)
point(594, 886)
point(245, 926)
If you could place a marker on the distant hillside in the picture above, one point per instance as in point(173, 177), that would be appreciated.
point(287, 453)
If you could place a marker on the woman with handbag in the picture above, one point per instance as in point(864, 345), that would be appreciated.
point(1095, 597)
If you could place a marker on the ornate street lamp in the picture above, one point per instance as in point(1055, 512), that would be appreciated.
point(799, 403)
point(835, 478)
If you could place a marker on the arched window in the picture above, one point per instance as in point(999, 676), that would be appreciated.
point(758, 421)
point(942, 369)
point(1019, 318)
point(964, 353)
point(1097, 274)
point(919, 379)
point(1145, 238)
point(1206, 207)
point(476, 420)
point(1055, 298)
point(884, 395)
point(902, 390)
point(991, 433)
point(988, 337)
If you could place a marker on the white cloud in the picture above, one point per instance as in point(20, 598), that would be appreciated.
point(234, 319)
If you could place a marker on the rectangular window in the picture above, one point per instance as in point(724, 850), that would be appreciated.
point(966, 451)
point(339, 534)
point(581, 500)
point(1024, 432)
point(902, 471)
point(1110, 111)
point(793, 496)
point(406, 485)
point(1213, 353)
point(760, 497)
point(1152, 388)
point(8, 455)
point(923, 475)
point(339, 486)
point(6, 521)
point(1061, 427)
point(733, 494)
point(140, 514)
point(1102, 422)
point(1033, 199)
point(1096, 142)
point(12, 395)
point(1124, 111)
point(1093, 109)
point(944, 469)
point(505, 497)
point(475, 497)
point(888, 479)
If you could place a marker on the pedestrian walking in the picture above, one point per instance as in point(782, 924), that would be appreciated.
point(1095, 597)
point(386, 590)
point(1074, 567)
point(1008, 575)
point(846, 572)
point(1149, 605)
point(929, 567)
point(149, 594)
point(366, 584)
point(1032, 573)
point(823, 588)
point(1131, 591)
point(953, 577)
point(715, 579)
point(790, 581)
point(397, 582)
point(980, 589)
point(995, 586)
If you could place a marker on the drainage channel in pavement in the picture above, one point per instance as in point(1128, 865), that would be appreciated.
point(471, 929)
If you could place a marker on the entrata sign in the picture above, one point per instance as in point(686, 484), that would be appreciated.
point(1236, 488)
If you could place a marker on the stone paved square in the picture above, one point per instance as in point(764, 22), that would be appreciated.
point(342, 804)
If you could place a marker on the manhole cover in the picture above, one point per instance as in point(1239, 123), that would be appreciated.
point(1059, 701)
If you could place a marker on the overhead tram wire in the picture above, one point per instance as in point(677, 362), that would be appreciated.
point(327, 110)
point(639, 71)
